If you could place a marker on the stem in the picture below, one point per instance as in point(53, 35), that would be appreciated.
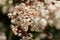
point(10, 35)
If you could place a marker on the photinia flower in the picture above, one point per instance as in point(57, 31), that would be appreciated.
point(33, 16)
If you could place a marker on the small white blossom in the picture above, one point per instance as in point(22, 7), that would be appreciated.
point(51, 7)
point(43, 23)
point(13, 20)
point(57, 23)
point(57, 13)
point(49, 1)
point(19, 34)
point(57, 4)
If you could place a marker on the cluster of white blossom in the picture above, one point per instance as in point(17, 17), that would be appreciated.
point(34, 16)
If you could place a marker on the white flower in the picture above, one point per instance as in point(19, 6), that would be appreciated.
point(57, 4)
point(51, 7)
point(10, 15)
point(12, 26)
point(25, 28)
point(57, 23)
point(22, 5)
point(43, 23)
point(33, 28)
point(14, 13)
point(30, 35)
point(44, 13)
point(13, 21)
point(51, 22)
point(57, 13)
point(36, 19)
point(19, 34)
point(49, 1)
point(14, 31)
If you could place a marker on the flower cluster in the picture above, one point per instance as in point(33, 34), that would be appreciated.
point(34, 15)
